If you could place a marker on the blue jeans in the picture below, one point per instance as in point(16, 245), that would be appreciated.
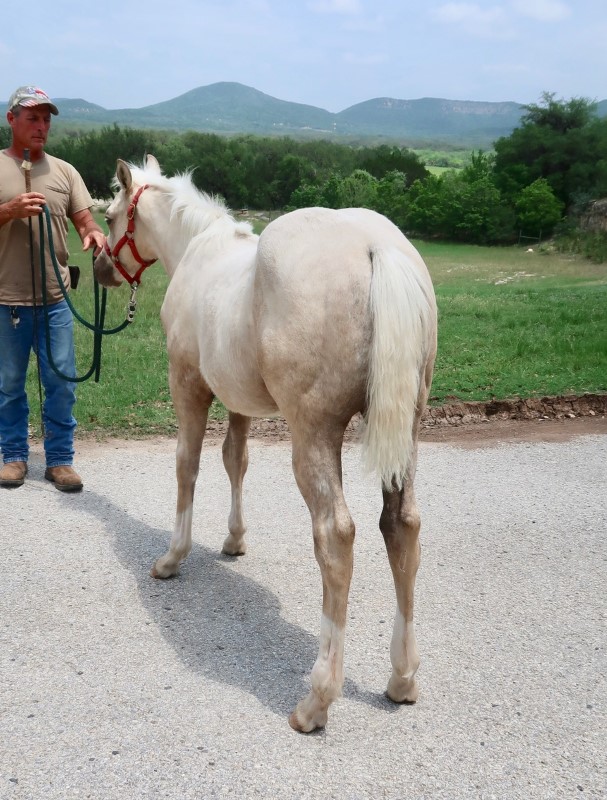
point(16, 343)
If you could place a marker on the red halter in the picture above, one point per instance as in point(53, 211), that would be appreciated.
point(128, 239)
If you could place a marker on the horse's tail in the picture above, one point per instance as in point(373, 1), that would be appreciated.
point(402, 313)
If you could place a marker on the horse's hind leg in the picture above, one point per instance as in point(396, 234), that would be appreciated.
point(191, 399)
point(400, 524)
point(236, 460)
point(317, 468)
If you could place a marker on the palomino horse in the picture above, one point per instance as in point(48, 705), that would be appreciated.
point(326, 315)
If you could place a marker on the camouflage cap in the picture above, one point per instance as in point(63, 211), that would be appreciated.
point(29, 96)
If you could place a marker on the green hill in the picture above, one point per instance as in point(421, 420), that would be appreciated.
point(234, 108)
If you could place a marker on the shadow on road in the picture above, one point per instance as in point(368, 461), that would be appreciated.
point(220, 623)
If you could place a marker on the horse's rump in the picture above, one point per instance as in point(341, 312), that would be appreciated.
point(312, 312)
point(344, 309)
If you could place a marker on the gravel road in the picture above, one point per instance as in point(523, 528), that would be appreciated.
point(115, 686)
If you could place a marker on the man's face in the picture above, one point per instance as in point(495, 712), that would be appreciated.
point(30, 127)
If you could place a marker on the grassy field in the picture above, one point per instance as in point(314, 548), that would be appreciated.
point(512, 323)
point(441, 170)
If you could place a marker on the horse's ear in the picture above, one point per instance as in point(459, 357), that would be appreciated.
point(152, 163)
point(123, 173)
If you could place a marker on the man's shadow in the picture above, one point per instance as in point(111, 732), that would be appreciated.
point(220, 623)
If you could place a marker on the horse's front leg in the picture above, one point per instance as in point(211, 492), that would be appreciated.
point(191, 398)
point(236, 460)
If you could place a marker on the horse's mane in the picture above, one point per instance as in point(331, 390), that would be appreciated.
point(196, 208)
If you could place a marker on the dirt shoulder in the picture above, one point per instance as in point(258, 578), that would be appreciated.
point(469, 425)
point(474, 424)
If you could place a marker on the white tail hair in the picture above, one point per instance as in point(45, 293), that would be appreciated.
point(402, 306)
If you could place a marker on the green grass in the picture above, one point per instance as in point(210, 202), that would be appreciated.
point(511, 324)
point(454, 158)
point(440, 170)
point(514, 323)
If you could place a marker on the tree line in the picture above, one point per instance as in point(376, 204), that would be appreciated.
point(247, 171)
point(538, 180)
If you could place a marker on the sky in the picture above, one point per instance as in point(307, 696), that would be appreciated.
point(326, 53)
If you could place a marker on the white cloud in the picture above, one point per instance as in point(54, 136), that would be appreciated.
point(542, 10)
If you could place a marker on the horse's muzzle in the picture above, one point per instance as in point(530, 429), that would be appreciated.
point(105, 272)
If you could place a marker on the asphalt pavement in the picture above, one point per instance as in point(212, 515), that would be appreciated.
point(115, 686)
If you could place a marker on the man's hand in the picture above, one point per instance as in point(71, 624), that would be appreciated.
point(90, 233)
point(96, 239)
point(28, 204)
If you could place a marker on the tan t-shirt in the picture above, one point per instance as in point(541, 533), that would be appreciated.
point(65, 194)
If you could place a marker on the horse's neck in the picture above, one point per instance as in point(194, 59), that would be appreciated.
point(169, 237)
point(173, 236)
point(171, 248)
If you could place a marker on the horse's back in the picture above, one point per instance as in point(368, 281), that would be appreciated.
point(320, 250)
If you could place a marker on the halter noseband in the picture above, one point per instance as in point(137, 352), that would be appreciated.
point(127, 238)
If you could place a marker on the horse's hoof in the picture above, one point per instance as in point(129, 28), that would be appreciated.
point(305, 719)
point(402, 691)
point(163, 571)
point(303, 726)
point(234, 547)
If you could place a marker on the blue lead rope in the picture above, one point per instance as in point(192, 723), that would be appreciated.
point(100, 307)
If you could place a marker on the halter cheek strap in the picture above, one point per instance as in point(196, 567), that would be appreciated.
point(128, 239)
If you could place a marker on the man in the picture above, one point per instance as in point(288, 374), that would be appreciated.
point(57, 185)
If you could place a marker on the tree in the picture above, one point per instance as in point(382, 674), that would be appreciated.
point(5, 137)
point(391, 197)
point(480, 166)
point(305, 196)
point(330, 193)
point(559, 116)
point(561, 141)
point(292, 171)
point(94, 154)
point(425, 209)
point(454, 206)
point(382, 160)
point(537, 209)
point(358, 190)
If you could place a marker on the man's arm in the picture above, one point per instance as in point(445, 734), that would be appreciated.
point(88, 230)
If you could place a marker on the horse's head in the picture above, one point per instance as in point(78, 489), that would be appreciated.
point(127, 252)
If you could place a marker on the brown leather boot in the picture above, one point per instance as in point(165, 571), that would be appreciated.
point(13, 474)
point(64, 478)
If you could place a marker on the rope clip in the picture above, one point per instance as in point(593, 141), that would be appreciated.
point(132, 306)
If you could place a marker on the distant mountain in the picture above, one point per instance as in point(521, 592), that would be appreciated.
point(75, 109)
point(234, 108)
point(431, 118)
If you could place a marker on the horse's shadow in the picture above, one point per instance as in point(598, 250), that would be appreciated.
point(220, 623)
